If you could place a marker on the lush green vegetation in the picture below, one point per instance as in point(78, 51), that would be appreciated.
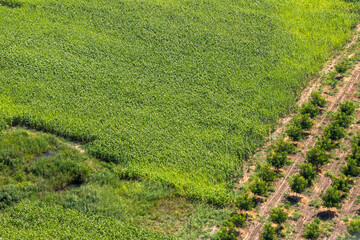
point(48, 189)
point(173, 91)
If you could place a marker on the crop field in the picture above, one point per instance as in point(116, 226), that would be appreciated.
point(178, 92)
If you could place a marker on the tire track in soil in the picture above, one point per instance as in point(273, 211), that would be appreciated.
point(282, 187)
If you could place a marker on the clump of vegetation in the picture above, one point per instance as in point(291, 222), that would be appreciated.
point(317, 99)
point(312, 230)
point(277, 160)
point(228, 232)
point(298, 183)
point(238, 219)
point(266, 173)
point(259, 187)
point(343, 66)
point(278, 215)
point(348, 108)
point(309, 108)
point(354, 227)
point(325, 143)
point(10, 3)
point(269, 232)
point(282, 146)
point(317, 157)
point(308, 171)
point(351, 168)
point(341, 183)
point(331, 198)
point(303, 121)
point(294, 132)
point(245, 202)
point(334, 131)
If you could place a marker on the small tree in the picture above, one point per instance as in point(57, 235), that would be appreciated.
point(278, 215)
point(317, 157)
point(325, 143)
point(294, 132)
point(239, 220)
point(268, 233)
point(351, 168)
point(228, 233)
point(277, 160)
point(343, 119)
point(266, 173)
point(282, 146)
point(348, 108)
point(259, 187)
point(341, 183)
point(309, 108)
point(312, 231)
point(354, 227)
point(331, 198)
point(334, 131)
point(317, 99)
point(298, 183)
point(245, 202)
point(308, 171)
point(304, 121)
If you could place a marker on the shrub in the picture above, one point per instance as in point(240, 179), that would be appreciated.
point(331, 198)
point(228, 233)
point(239, 220)
point(348, 108)
point(298, 183)
point(312, 230)
point(9, 195)
point(259, 187)
point(325, 143)
point(245, 202)
point(308, 171)
point(309, 108)
point(351, 168)
point(354, 227)
point(294, 132)
point(277, 215)
point(342, 66)
point(341, 183)
point(268, 233)
point(343, 119)
point(277, 160)
point(317, 99)
point(282, 146)
point(267, 174)
point(304, 121)
point(334, 131)
point(317, 156)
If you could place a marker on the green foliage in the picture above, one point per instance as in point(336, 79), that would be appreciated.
point(331, 198)
point(298, 183)
point(228, 233)
point(348, 108)
point(317, 157)
point(278, 215)
point(325, 143)
point(268, 233)
point(173, 91)
point(351, 168)
point(277, 160)
point(334, 131)
point(312, 230)
point(259, 187)
point(304, 121)
point(342, 66)
point(10, 3)
point(294, 132)
point(308, 171)
point(317, 99)
point(309, 108)
point(238, 219)
point(266, 173)
point(245, 202)
point(341, 183)
point(282, 146)
point(343, 119)
point(354, 227)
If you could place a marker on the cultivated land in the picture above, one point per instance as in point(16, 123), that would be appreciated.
point(178, 92)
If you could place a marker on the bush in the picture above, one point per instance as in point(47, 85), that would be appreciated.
point(294, 132)
point(239, 220)
point(277, 160)
point(354, 227)
point(259, 187)
point(9, 195)
point(268, 233)
point(331, 198)
point(348, 108)
point(343, 119)
point(309, 108)
point(317, 99)
point(245, 202)
point(266, 173)
point(317, 157)
point(325, 143)
point(298, 183)
point(312, 231)
point(308, 171)
point(341, 183)
point(277, 215)
point(351, 168)
point(342, 66)
point(334, 131)
point(304, 121)
point(282, 146)
point(228, 233)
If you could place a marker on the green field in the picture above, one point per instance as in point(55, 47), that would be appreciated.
point(178, 91)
